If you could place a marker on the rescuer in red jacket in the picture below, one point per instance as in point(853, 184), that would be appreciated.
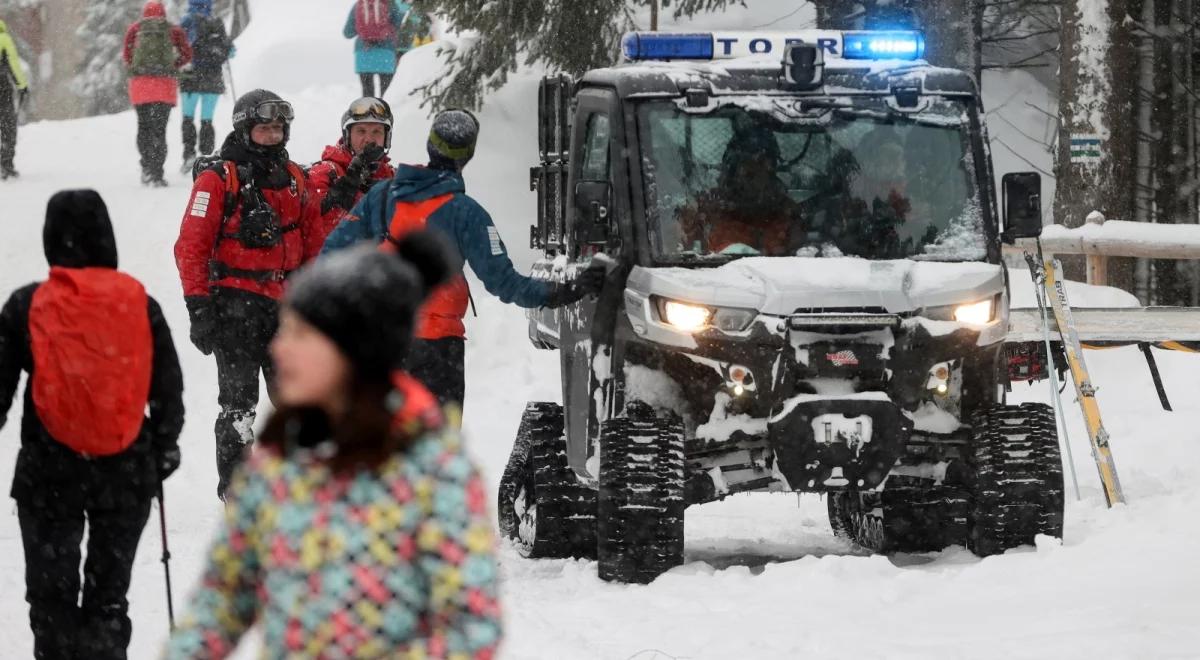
point(248, 225)
point(359, 160)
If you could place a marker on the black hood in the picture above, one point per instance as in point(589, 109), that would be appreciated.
point(78, 233)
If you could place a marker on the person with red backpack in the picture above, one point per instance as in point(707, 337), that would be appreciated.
point(348, 169)
point(102, 415)
point(248, 225)
point(377, 26)
point(155, 51)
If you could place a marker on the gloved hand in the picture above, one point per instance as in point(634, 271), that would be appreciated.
point(203, 315)
point(589, 281)
point(364, 164)
point(22, 97)
point(166, 462)
point(357, 179)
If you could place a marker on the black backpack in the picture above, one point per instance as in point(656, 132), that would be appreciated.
point(211, 48)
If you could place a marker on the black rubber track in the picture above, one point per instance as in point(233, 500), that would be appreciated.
point(1017, 490)
point(641, 505)
point(565, 521)
point(910, 515)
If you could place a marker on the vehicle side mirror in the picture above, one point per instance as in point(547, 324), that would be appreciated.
point(1022, 205)
point(593, 204)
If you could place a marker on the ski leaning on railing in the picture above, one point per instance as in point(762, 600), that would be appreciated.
point(1047, 276)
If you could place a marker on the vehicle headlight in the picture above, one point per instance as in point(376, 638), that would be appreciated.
point(683, 316)
point(688, 317)
point(728, 319)
point(976, 314)
point(979, 313)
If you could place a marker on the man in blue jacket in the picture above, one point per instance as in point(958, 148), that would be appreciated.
point(435, 196)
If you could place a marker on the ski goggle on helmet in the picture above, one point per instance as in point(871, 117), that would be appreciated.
point(265, 112)
point(368, 110)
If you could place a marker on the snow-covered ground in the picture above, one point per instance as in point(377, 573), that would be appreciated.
point(764, 577)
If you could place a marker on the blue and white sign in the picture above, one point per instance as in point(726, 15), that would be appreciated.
point(1086, 148)
point(871, 45)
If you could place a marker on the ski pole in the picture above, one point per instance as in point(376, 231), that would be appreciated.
point(1060, 418)
point(166, 556)
point(232, 89)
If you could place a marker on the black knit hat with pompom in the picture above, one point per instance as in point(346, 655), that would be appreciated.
point(365, 300)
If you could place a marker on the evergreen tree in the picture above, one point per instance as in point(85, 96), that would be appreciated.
point(101, 83)
point(571, 36)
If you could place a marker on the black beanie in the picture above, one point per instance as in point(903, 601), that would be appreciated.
point(365, 300)
point(452, 139)
point(78, 232)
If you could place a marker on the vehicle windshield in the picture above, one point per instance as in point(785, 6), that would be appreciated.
point(831, 177)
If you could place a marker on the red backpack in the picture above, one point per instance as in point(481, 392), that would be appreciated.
point(89, 330)
point(373, 21)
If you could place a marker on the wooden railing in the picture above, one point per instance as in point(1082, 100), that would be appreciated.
point(1099, 240)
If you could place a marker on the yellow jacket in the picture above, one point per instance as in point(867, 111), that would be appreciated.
point(8, 52)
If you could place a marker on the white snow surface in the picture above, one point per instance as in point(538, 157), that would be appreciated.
point(764, 577)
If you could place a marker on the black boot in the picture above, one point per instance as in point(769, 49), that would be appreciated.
point(235, 434)
point(208, 137)
point(189, 144)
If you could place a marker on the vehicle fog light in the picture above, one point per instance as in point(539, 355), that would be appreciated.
point(740, 380)
point(939, 379)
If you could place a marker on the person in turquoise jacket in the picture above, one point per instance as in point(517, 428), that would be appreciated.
point(435, 197)
point(359, 528)
point(378, 28)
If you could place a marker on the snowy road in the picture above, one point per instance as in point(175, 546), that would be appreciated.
point(764, 576)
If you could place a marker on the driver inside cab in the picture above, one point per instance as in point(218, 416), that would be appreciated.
point(749, 211)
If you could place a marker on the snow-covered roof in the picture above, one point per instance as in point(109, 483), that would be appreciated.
point(763, 74)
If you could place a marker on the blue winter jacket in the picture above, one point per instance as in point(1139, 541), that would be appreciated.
point(373, 57)
point(462, 219)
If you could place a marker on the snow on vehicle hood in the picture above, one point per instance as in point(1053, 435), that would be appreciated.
point(781, 285)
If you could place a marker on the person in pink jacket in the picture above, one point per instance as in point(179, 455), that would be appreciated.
point(155, 50)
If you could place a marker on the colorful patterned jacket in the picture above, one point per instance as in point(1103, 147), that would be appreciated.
point(393, 563)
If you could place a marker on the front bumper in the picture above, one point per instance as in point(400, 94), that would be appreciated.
point(837, 443)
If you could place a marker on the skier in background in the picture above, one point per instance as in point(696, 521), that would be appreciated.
point(348, 169)
point(14, 89)
point(436, 196)
point(155, 51)
point(359, 528)
point(99, 433)
point(202, 83)
point(376, 26)
point(245, 229)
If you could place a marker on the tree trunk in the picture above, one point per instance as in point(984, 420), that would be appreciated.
point(838, 14)
point(1085, 85)
point(953, 33)
point(1119, 195)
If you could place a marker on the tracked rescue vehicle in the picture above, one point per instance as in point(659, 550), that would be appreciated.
point(806, 294)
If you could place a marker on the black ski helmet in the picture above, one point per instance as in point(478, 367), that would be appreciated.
point(260, 107)
point(368, 110)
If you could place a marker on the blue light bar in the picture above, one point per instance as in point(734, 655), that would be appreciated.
point(907, 45)
point(667, 46)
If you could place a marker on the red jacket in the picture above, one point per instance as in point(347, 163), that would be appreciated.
point(155, 89)
point(202, 240)
point(321, 177)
